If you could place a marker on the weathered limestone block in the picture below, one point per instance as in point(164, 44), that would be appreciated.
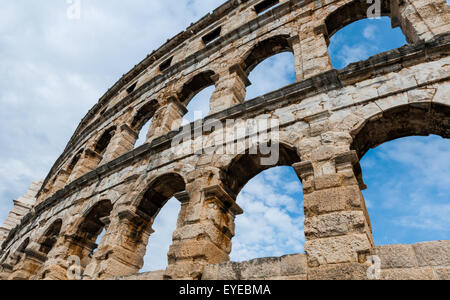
point(408, 274)
point(433, 253)
point(122, 142)
point(155, 275)
point(230, 89)
point(335, 250)
point(348, 271)
point(442, 273)
point(288, 267)
point(396, 256)
point(333, 200)
point(335, 224)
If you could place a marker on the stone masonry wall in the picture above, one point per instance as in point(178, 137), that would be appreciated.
point(325, 123)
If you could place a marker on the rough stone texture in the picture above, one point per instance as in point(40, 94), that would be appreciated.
point(433, 254)
point(22, 206)
point(155, 275)
point(327, 121)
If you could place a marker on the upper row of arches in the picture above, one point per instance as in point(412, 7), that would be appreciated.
point(149, 118)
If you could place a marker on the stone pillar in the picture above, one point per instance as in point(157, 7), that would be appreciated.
point(70, 251)
point(204, 232)
point(122, 142)
point(166, 118)
point(122, 249)
point(29, 264)
point(337, 226)
point(89, 161)
point(420, 19)
point(314, 51)
point(230, 89)
point(60, 182)
point(298, 58)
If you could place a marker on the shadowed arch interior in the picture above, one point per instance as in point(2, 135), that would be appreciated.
point(50, 237)
point(195, 85)
point(144, 114)
point(266, 49)
point(159, 192)
point(75, 160)
point(104, 140)
point(93, 222)
point(246, 166)
point(351, 12)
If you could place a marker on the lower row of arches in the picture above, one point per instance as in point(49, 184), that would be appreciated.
point(407, 199)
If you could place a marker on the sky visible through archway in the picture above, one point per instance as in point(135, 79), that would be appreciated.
point(44, 94)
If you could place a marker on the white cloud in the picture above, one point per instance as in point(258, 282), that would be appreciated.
point(54, 70)
point(369, 32)
point(272, 223)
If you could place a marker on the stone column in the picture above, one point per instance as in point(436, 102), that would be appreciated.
point(89, 161)
point(420, 19)
point(337, 227)
point(122, 249)
point(29, 264)
point(314, 50)
point(166, 118)
point(60, 182)
point(298, 58)
point(204, 232)
point(122, 142)
point(230, 89)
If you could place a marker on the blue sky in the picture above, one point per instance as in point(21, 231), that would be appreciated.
point(54, 70)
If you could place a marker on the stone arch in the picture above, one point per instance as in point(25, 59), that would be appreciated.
point(130, 228)
point(21, 249)
point(195, 85)
point(398, 121)
point(349, 13)
point(157, 193)
point(247, 165)
point(265, 49)
point(143, 115)
point(102, 143)
point(94, 220)
point(73, 162)
point(401, 121)
point(358, 10)
point(50, 237)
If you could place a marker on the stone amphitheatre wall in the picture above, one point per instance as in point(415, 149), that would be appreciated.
point(326, 122)
point(421, 261)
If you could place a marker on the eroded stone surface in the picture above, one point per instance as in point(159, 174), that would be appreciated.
point(327, 121)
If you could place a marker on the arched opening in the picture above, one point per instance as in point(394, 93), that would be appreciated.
point(195, 95)
point(270, 66)
point(74, 161)
point(50, 237)
point(142, 121)
point(159, 207)
point(404, 162)
point(104, 140)
point(353, 36)
point(199, 106)
point(273, 221)
point(271, 198)
point(85, 241)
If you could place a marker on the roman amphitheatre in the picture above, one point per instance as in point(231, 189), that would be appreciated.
point(325, 123)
